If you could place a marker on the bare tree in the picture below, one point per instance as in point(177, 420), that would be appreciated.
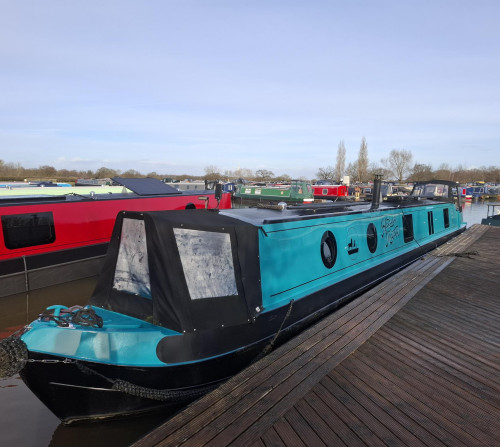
point(362, 162)
point(212, 173)
point(398, 163)
point(443, 172)
point(106, 173)
point(421, 172)
point(352, 171)
point(340, 166)
point(283, 178)
point(325, 173)
point(264, 175)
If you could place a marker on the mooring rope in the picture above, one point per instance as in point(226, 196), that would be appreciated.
point(268, 348)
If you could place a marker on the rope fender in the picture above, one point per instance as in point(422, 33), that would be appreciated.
point(13, 356)
point(148, 393)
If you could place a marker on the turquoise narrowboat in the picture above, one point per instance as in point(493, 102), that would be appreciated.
point(187, 299)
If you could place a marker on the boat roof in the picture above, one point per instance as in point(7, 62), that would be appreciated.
point(146, 186)
point(268, 214)
point(139, 187)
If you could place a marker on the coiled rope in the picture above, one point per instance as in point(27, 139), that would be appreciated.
point(13, 356)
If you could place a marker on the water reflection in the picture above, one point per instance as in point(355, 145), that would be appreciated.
point(119, 432)
point(474, 212)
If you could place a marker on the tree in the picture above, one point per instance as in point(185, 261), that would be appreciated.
point(352, 171)
point(47, 171)
point(340, 166)
point(362, 162)
point(421, 172)
point(132, 173)
point(212, 173)
point(106, 173)
point(443, 172)
point(325, 173)
point(398, 163)
point(264, 175)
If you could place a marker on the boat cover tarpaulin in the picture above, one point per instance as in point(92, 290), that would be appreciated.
point(185, 270)
point(146, 186)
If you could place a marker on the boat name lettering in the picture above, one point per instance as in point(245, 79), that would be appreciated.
point(390, 230)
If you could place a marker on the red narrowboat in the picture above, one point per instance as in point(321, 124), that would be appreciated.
point(330, 192)
point(47, 240)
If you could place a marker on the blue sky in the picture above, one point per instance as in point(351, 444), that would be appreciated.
point(174, 86)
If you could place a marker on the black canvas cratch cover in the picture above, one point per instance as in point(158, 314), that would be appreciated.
point(186, 270)
point(146, 186)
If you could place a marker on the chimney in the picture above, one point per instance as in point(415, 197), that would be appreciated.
point(377, 183)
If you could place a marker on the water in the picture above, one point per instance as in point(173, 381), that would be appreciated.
point(25, 421)
point(474, 212)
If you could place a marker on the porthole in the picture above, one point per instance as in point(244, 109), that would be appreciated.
point(371, 238)
point(328, 249)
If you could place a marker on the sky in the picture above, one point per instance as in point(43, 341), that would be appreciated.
point(176, 86)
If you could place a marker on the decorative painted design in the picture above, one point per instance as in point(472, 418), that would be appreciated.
point(390, 229)
point(353, 242)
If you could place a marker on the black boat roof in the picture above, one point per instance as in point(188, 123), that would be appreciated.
point(146, 186)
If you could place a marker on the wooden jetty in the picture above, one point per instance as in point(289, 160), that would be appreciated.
point(414, 361)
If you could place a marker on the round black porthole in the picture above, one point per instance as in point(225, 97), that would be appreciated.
point(371, 238)
point(328, 249)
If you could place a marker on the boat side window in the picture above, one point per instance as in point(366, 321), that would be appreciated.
point(132, 268)
point(27, 230)
point(446, 215)
point(328, 249)
point(371, 238)
point(207, 263)
point(408, 227)
point(430, 221)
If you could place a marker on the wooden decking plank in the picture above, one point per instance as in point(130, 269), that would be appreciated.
point(359, 433)
point(464, 405)
point(323, 430)
point(424, 405)
point(461, 360)
point(423, 416)
point(303, 429)
point(381, 404)
point(459, 344)
point(444, 363)
point(271, 438)
point(455, 309)
point(287, 434)
point(465, 381)
point(379, 423)
point(258, 443)
point(440, 376)
point(437, 326)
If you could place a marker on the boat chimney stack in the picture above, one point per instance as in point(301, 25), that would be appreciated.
point(377, 184)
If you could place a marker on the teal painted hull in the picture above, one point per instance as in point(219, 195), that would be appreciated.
point(291, 265)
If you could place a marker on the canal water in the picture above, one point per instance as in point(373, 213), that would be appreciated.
point(25, 421)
